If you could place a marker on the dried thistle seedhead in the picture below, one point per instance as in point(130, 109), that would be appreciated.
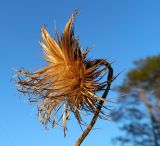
point(69, 83)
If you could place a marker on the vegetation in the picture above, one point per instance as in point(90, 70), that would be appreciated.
point(70, 83)
point(140, 110)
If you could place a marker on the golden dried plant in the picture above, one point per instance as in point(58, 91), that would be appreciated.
point(70, 82)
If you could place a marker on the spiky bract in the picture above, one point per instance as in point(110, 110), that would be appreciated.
point(69, 83)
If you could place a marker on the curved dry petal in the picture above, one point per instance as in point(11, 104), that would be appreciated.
point(69, 83)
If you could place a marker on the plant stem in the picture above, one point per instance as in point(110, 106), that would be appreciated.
point(100, 105)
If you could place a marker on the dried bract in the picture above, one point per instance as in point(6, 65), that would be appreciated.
point(69, 83)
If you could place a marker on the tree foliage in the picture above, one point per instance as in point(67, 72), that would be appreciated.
point(139, 111)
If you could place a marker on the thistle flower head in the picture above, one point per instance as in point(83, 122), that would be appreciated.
point(69, 83)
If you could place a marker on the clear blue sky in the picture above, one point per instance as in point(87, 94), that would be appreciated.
point(121, 30)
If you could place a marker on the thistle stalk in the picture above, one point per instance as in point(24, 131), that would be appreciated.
point(100, 105)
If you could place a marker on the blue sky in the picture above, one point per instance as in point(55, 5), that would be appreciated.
point(121, 30)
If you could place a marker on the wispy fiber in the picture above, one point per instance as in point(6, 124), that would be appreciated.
point(70, 82)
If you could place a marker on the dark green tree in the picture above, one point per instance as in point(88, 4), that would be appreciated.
point(139, 111)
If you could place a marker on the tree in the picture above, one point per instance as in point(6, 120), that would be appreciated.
point(139, 111)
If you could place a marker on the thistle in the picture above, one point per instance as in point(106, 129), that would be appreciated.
point(70, 83)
